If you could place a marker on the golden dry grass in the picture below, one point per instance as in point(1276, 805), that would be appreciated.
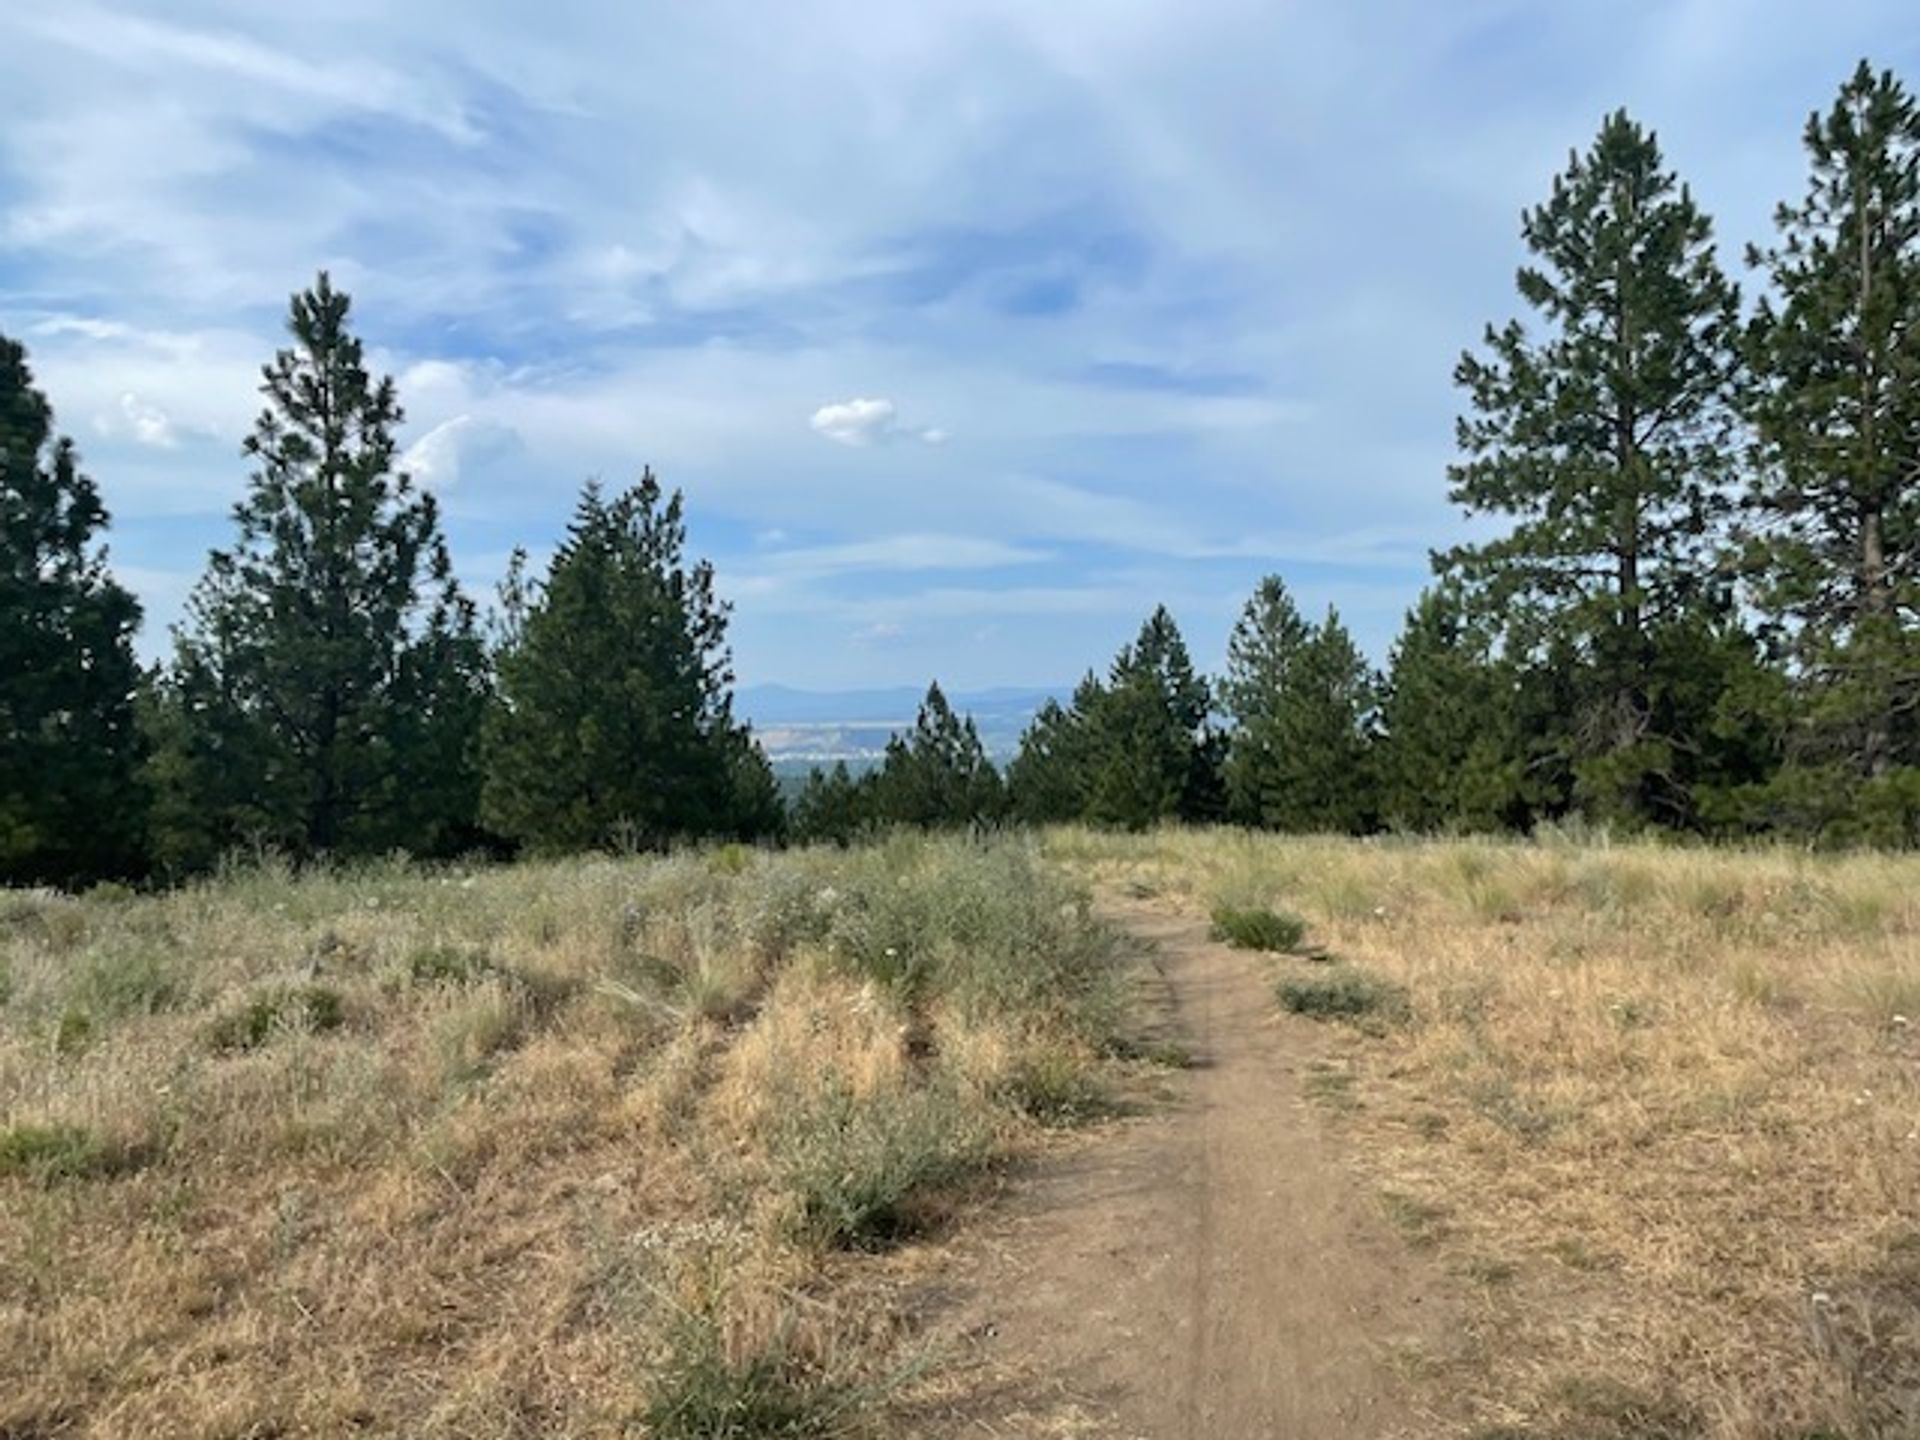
point(1658, 1108)
point(588, 1142)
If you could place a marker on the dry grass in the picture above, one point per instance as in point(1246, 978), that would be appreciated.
point(1658, 1108)
point(565, 1150)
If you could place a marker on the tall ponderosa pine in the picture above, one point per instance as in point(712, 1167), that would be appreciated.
point(1261, 653)
point(1447, 755)
point(71, 808)
point(1606, 436)
point(937, 774)
point(329, 682)
point(615, 712)
point(1837, 410)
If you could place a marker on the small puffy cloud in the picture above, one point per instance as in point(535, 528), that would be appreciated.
point(140, 421)
point(855, 422)
point(880, 632)
point(861, 422)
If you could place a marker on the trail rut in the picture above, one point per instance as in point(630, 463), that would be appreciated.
point(1207, 1268)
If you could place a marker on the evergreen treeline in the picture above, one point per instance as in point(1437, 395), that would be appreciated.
point(331, 691)
point(1701, 615)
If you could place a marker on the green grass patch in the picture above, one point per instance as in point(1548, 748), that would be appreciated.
point(704, 1393)
point(448, 965)
point(1258, 928)
point(308, 1009)
point(73, 1032)
point(56, 1152)
point(1341, 992)
point(1055, 1086)
point(1421, 1221)
point(868, 1173)
point(112, 984)
point(1167, 1054)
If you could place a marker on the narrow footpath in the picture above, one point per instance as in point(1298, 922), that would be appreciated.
point(1207, 1269)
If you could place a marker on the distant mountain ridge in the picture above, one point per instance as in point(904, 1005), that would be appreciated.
point(800, 728)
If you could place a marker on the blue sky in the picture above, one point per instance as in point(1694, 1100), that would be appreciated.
point(971, 330)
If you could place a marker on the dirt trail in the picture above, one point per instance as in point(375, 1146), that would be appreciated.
point(1206, 1269)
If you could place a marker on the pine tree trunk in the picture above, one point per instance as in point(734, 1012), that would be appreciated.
point(324, 828)
point(1871, 596)
point(1631, 696)
point(1875, 613)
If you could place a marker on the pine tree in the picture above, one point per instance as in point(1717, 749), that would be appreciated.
point(71, 808)
point(1141, 759)
point(1448, 756)
point(1837, 411)
point(937, 774)
point(1261, 653)
point(755, 807)
point(329, 682)
point(1717, 685)
point(1606, 437)
point(833, 807)
point(615, 713)
point(1132, 751)
point(1305, 754)
point(1049, 778)
point(1160, 652)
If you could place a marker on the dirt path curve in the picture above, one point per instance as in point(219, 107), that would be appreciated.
point(1208, 1268)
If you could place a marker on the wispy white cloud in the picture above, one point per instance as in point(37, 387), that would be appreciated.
point(899, 554)
point(159, 49)
point(437, 457)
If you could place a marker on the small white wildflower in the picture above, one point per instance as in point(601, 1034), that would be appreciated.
point(1900, 1022)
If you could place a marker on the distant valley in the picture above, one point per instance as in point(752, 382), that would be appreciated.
point(804, 728)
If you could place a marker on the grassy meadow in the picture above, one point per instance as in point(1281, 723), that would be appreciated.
point(602, 1147)
point(1656, 1109)
point(654, 1146)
